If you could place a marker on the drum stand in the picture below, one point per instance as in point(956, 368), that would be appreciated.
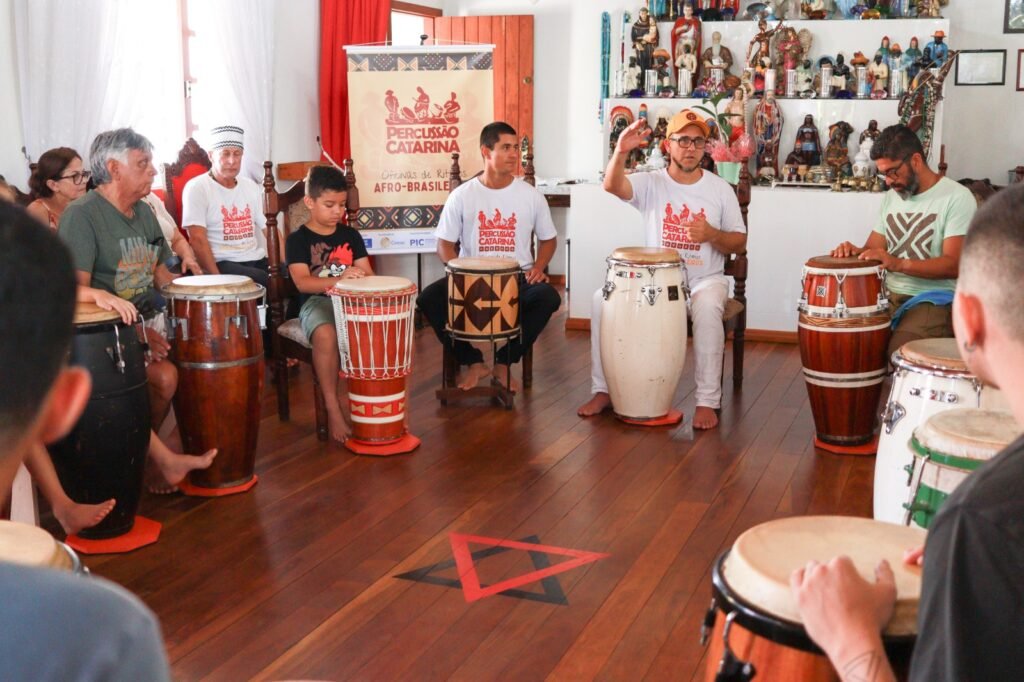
point(144, 532)
point(449, 368)
point(868, 449)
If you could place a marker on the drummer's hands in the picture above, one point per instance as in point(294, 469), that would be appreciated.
point(701, 231)
point(914, 556)
point(637, 134)
point(889, 261)
point(846, 250)
point(353, 272)
point(158, 346)
point(108, 301)
point(189, 264)
point(536, 274)
point(843, 613)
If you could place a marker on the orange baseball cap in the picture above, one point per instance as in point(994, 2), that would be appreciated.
point(939, 34)
point(687, 117)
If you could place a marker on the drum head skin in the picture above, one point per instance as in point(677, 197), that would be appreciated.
point(211, 285)
point(373, 283)
point(483, 264)
point(645, 255)
point(29, 546)
point(847, 263)
point(762, 559)
point(937, 353)
point(969, 433)
point(90, 313)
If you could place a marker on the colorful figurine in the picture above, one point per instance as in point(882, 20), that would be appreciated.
point(790, 47)
point(912, 59)
point(645, 39)
point(686, 31)
point(805, 79)
point(760, 45)
point(718, 56)
point(686, 68)
point(736, 114)
point(883, 49)
point(936, 52)
point(809, 142)
point(767, 125)
point(837, 152)
point(871, 132)
point(878, 71)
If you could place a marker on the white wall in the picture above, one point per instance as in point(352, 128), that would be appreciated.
point(13, 165)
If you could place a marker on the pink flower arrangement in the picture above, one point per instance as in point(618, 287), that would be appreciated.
point(740, 149)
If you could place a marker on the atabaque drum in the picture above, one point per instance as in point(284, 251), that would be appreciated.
point(374, 320)
point(643, 330)
point(947, 448)
point(843, 332)
point(754, 616)
point(213, 326)
point(483, 298)
point(31, 546)
point(929, 377)
point(104, 456)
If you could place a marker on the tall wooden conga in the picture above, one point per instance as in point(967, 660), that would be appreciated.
point(843, 334)
point(374, 320)
point(213, 326)
point(760, 623)
point(643, 333)
point(104, 456)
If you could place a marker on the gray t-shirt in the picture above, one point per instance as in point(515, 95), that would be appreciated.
point(62, 627)
point(121, 252)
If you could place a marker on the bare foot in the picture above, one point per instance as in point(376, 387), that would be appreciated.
point(472, 376)
point(337, 427)
point(74, 517)
point(704, 418)
point(175, 467)
point(598, 403)
point(504, 376)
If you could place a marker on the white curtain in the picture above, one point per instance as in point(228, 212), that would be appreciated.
point(232, 53)
point(85, 66)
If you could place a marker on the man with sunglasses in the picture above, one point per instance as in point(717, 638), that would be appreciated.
point(918, 238)
point(695, 212)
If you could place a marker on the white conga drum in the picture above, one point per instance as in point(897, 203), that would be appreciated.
point(929, 377)
point(374, 320)
point(643, 332)
point(28, 545)
point(947, 449)
point(760, 623)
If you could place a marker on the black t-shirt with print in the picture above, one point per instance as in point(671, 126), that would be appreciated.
point(325, 254)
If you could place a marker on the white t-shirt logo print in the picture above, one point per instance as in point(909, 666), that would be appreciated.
point(498, 234)
point(673, 229)
point(237, 224)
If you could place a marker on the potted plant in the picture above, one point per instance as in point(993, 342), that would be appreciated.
point(731, 145)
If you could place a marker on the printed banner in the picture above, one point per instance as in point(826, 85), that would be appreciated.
point(410, 109)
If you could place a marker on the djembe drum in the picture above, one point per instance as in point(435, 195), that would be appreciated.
point(214, 328)
point(27, 545)
point(930, 377)
point(643, 333)
point(843, 332)
point(760, 624)
point(104, 456)
point(483, 298)
point(947, 449)
point(374, 320)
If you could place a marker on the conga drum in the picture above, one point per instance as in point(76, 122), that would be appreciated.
point(374, 320)
point(947, 449)
point(104, 456)
point(843, 332)
point(760, 623)
point(27, 545)
point(929, 377)
point(643, 332)
point(213, 326)
point(483, 298)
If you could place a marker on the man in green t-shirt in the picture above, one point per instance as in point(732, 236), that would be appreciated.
point(923, 221)
point(117, 245)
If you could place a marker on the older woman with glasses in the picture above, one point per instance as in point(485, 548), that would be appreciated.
point(58, 179)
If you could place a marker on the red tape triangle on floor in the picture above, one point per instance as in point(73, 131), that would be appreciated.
point(471, 582)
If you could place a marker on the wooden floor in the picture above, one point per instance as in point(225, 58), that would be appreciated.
point(296, 579)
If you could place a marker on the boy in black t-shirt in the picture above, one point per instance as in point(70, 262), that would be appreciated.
point(317, 253)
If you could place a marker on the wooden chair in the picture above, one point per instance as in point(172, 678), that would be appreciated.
point(286, 334)
point(734, 317)
point(192, 161)
point(450, 368)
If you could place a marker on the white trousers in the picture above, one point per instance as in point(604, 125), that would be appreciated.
point(705, 308)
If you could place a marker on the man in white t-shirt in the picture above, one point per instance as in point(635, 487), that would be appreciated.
point(223, 212)
point(496, 214)
point(697, 213)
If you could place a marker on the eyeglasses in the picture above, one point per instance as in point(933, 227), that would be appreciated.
point(683, 141)
point(891, 173)
point(78, 177)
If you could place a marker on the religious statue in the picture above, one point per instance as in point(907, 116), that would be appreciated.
point(837, 152)
point(736, 114)
point(767, 125)
point(686, 67)
point(878, 71)
point(686, 31)
point(912, 60)
point(936, 52)
point(883, 49)
point(863, 166)
point(841, 73)
point(790, 47)
point(895, 57)
point(809, 142)
point(633, 76)
point(804, 79)
point(718, 56)
point(871, 132)
point(664, 69)
point(760, 45)
point(645, 39)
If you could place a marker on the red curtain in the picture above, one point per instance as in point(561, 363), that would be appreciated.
point(344, 22)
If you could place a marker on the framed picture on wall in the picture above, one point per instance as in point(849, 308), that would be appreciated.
point(981, 67)
point(1014, 21)
point(1020, 70)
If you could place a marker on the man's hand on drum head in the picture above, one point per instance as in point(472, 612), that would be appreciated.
point(535, 274)
point(914, 556)
point(637, 134)
point(842, 611)
point(846, 250)
point(352, 272)
point(158, 346)
point(108, 301)
point(889, 261)
point(191, 265)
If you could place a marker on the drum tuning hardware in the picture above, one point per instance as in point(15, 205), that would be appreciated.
point(607, 289)
point(732, 668)
point(240, 321)
point(650, 292)
point(117, 352)
point(173, 322)
point(892, 413)
point(709, 622)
